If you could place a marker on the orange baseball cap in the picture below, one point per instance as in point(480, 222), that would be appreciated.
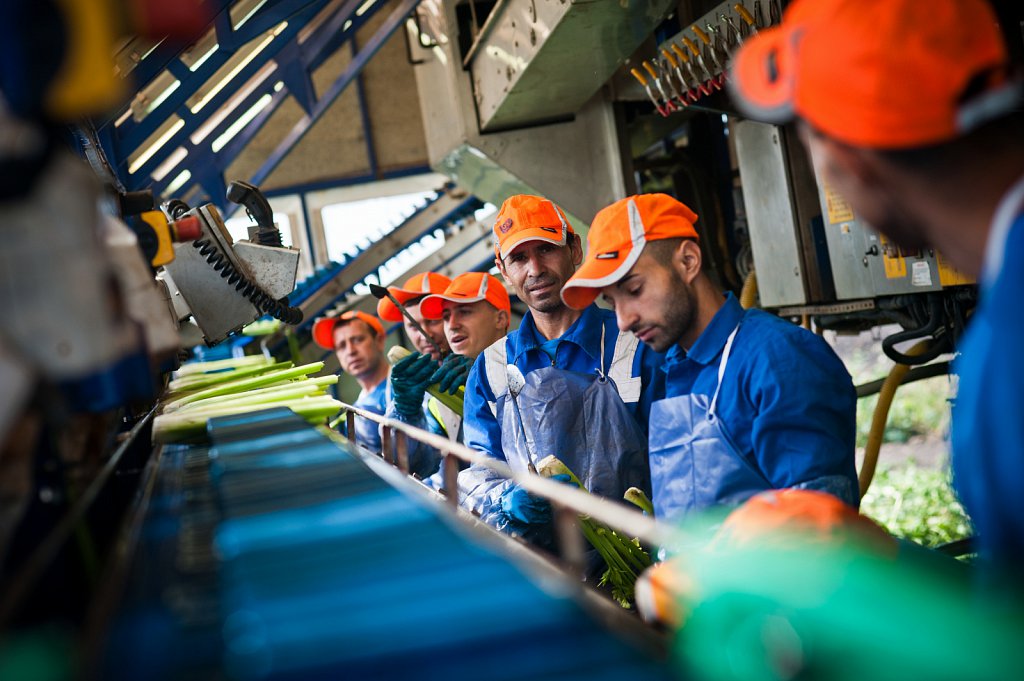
point(524, 217)
point(417, 286)
point(885, 74)
point(801, 514)
point(468, 288)
point(323, 329)
point(618, 236)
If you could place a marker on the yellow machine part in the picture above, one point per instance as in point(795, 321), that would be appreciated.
point(86, 83)
point(165, 250)
point(948, 276)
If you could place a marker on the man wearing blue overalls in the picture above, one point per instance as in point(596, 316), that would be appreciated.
point(752, 402)
point(567, 382)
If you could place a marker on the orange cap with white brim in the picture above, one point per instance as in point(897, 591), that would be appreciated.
point(618, 236)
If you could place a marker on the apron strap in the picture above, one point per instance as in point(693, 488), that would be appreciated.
point(721, 369)
point(496, 370)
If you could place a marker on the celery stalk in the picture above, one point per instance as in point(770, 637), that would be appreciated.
point(244, 384)
point(635, 495)
point(190, 425)
point(220, 365)
point(274, 393)
point(201, 381)
point(453, 402)
point(623, 556)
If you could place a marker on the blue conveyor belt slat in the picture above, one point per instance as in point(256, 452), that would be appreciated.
point(318, 568)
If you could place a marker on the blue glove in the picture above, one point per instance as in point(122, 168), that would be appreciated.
point(565, 479)
point(452, 373)
point(409, 380)
point(521, 507)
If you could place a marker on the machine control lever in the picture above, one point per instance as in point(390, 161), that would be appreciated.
point(258, 208)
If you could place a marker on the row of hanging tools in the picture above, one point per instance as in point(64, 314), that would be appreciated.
point(693, 67)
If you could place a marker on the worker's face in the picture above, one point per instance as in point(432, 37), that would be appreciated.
point(655, 302)
point(537, 270)
point(865, 179)
point(472, 327)
point(434, 329)
point(360, 352)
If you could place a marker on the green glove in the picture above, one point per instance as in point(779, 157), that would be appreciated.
point(409, 380)
point(452, 373)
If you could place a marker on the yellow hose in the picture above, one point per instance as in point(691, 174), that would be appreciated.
point(748, 294)
point(881, 416)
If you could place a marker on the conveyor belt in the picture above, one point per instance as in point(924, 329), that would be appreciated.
point(322, 569)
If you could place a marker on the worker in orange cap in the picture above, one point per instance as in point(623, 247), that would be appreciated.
point(357, 339)
point(566, 382)
point(408, 400)
point(476, 310)
point(752, 402)
point(913, 112)
point(410, 294)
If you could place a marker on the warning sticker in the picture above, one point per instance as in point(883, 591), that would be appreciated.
point(893, 260)
point(839, 210)
point(920, 274)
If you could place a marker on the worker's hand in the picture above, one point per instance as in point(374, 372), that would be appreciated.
point(522, 508)
point(452, 373)
point(565, 479)
point(409, 380)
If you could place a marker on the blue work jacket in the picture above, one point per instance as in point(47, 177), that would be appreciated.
point(367, 432)
point(786, 400)
point(578, 351)
point(987, 428)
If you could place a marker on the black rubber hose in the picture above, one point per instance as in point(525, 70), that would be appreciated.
point(931, 328)
point(263, 302)
point(916, 374)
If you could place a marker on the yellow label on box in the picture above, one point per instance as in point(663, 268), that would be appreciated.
point(839, 210)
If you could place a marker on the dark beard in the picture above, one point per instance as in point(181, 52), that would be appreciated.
point(680, 314)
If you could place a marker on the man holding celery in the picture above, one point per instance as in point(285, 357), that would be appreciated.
point(475, 311)
point(407, 400)
point(566, 383)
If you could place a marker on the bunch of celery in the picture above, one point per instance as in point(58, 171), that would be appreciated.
point(236, 389)
point(454, 402)
point(624, 557)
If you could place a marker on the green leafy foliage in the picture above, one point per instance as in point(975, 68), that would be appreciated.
point(919, 409)
point(916, 503)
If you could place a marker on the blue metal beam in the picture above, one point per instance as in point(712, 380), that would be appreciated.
point(309, 230)
point(132, 134)
point(390, 25)
point(297, 83)
point(336, 182)
point(364, 117)
point(271, 14)
point(306, 187)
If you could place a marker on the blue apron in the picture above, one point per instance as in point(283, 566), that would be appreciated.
point(694, 463)
point(581, 419)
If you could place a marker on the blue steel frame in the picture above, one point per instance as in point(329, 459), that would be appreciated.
point(296, 61)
